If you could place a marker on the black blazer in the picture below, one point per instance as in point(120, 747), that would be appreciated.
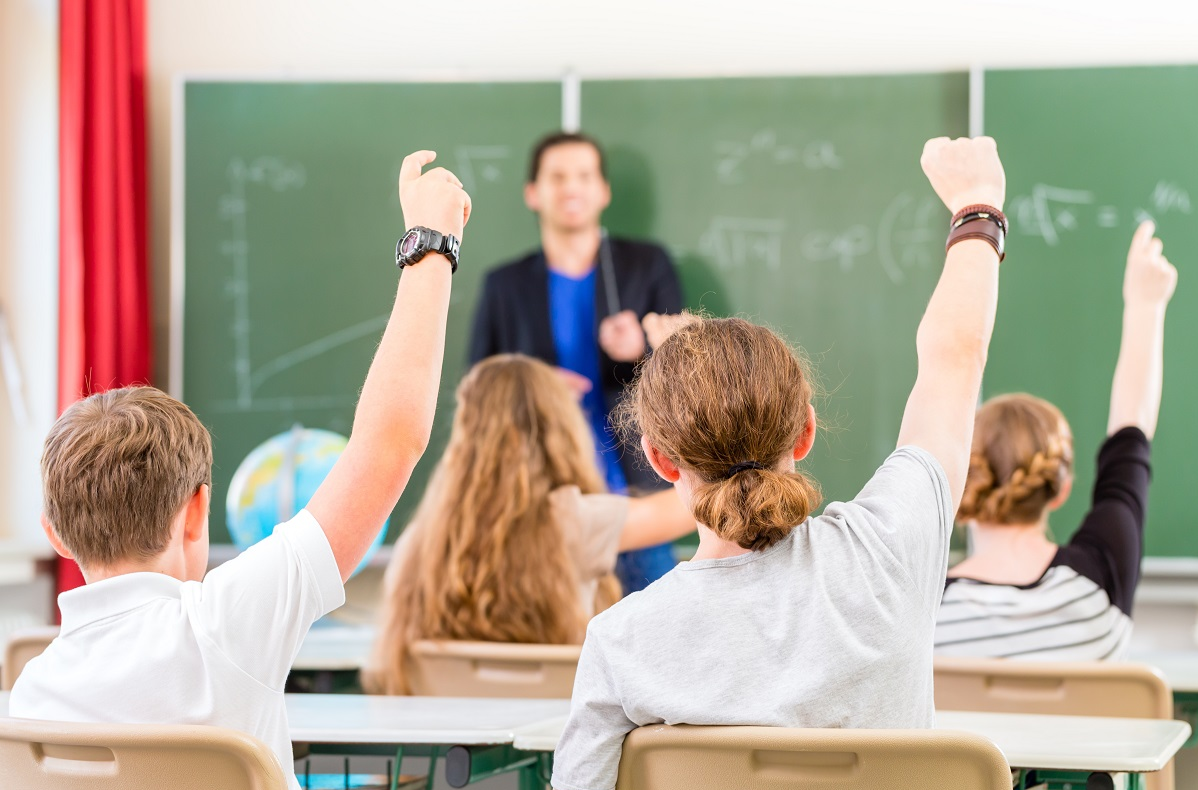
point(513, 317)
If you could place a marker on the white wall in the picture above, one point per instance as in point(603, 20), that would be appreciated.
point(28, 248)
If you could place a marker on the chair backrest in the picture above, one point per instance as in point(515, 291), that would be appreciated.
point(22, 647)
point(72, 756)
point(661, 757)
point(492, 669)
point(1106, 688)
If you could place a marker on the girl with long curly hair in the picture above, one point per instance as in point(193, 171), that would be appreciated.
point(515, 539)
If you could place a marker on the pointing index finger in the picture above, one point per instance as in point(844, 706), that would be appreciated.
point(413, 163)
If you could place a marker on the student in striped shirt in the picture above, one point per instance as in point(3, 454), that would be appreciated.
point(1019, 595)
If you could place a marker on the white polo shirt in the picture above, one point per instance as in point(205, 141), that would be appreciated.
point(147, 648)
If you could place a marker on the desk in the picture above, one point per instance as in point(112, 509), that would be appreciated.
point(331, 647)
point(1180, 669)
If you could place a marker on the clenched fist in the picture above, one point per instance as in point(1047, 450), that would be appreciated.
point(965, 171)
point(435, 199)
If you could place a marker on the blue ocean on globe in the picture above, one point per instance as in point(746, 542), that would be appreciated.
point(277, 480)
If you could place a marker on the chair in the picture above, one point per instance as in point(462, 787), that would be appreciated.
point(23, 646)
point(1131, 691)
point(444, 668)
point(72, 756)
point(661, 757)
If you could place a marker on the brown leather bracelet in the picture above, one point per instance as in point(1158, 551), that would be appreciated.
point(986, 212)
point(979, 228)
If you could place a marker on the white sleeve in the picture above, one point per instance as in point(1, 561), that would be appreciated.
point(906, 511)
point(257, 608)
point(588, 753)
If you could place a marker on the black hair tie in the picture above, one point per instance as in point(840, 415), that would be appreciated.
point(743, 466)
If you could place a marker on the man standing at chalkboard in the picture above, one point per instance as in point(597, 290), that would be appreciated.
point(577, 303)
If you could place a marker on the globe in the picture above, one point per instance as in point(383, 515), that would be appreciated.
point(277, 480)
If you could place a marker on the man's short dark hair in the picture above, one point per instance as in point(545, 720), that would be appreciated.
point(562, 138)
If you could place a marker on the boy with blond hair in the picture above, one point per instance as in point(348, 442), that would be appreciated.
point(127, 473)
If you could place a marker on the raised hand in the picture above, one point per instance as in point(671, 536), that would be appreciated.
point(1149, 277)
point(434, 199)
point(621, 337)
point(965, 171)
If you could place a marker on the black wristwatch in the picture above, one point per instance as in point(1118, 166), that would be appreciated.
point(420, 241)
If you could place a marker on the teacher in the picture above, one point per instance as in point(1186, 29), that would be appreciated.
point(577, 303)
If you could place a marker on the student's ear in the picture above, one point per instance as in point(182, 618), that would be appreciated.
point(52, 536)
point(195, 519)
point(807, 438)
point(606, 194)
point(530, 198)
point(1062, 497)
point(664, 467)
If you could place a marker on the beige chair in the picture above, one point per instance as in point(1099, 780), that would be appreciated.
point(492, 669)
point(1131, 691)
point(661, 757)
point(69, 756)
point(23, 646)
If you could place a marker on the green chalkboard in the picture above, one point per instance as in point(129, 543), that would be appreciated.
point(1088, 152)
point(291, 217)
point(798, 202)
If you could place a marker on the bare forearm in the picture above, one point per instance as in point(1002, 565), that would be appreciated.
point(1139, 372)
point(655, 519)
point(952, 343)
point(399, 399)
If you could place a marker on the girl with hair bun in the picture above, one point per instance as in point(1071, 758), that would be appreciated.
point(784, 618)
point(1019, 595)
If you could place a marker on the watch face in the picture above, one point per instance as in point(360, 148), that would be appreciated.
point(409, 243)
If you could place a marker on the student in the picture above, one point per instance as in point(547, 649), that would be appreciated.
point(150, 638)
point(784, 619)
point(1020, 595)
point(514, 540)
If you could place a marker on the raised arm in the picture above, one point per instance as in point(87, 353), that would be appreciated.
point(1148, 284)
point(954, 335)
point(395, 411)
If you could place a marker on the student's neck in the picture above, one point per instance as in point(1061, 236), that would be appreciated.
point(164, 563)
point(571, 252)
point(1008, 553)
point(713, 547)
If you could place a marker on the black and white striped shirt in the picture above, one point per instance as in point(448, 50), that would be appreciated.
point(1080, 608)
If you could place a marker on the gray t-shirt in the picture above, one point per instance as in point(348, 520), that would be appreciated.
point(830, 627)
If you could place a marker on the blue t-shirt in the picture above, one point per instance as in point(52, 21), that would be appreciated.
point(572, 315)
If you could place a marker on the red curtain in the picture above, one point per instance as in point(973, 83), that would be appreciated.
point(104, 328)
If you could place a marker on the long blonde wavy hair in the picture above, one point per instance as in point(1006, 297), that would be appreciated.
point(483, 558)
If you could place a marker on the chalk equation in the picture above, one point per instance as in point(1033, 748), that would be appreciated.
point(1051, 212)
point(277, 175)
point(733, 156)
point(906, 239)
